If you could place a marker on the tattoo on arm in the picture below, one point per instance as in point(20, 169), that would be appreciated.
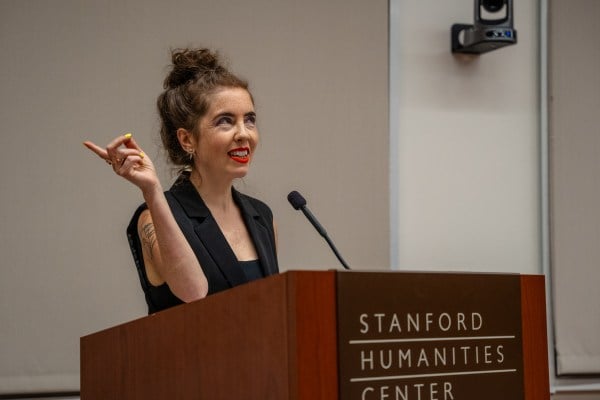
point(148, 238)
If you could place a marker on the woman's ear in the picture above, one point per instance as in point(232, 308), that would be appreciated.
point(186, 140)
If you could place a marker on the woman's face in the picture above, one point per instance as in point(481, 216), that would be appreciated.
point(227, 135)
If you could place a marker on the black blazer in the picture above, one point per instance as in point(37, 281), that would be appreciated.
point(216, 257)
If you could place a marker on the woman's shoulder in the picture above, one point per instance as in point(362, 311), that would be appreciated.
point(133, 222)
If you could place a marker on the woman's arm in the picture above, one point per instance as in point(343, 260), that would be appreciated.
point(167, 254)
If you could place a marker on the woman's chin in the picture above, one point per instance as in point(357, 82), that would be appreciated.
point(240, 172)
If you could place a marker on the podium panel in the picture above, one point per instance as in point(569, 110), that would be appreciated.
point(328, 335)
point(430, 336)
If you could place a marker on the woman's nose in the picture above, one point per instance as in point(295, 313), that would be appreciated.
point(242, 132)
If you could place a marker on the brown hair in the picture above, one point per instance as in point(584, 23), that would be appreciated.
point(195, 75)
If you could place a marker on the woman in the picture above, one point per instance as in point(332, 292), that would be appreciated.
point(202, 236)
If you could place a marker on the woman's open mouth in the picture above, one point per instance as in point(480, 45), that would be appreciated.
point(241, 155)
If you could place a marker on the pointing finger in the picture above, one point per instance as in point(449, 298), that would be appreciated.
point(102, 153)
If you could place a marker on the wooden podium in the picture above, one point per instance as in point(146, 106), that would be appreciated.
point(305, 336)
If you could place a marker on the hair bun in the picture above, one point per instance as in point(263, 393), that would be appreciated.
point(188, 64)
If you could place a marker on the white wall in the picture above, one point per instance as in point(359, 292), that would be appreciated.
point(464, 144)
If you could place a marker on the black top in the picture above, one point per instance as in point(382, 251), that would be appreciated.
point(218, 261)
point(252, 269)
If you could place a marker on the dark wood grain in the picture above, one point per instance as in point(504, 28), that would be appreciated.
point(271, 339)
point(535, 342)
point(314, 341)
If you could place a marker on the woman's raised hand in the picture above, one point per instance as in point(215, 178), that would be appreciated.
point(128, 160)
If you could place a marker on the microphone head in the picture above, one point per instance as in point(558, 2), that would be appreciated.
point(296, 200)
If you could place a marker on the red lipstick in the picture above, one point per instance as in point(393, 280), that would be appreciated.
point(241, 155)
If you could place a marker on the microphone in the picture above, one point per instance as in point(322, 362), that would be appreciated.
point(299, 203)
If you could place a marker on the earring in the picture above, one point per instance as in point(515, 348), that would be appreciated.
point(191, 153)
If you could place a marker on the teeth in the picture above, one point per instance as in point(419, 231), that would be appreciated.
point(239, 153)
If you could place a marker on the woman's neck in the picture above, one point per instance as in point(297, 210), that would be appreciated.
point(215, 194)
